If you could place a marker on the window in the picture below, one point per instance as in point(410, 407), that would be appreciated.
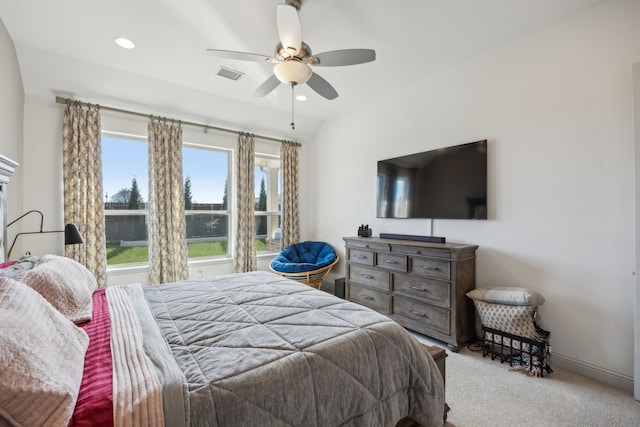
point(208, 191)
point(268, 203)
point(125, 178)
point(206, 199)
point(126, 183)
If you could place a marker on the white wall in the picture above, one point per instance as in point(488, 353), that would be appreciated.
point(11, 120)
point(556, 108)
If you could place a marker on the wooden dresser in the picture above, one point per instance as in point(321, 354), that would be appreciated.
point(420, 285)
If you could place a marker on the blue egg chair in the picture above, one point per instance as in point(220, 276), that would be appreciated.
point(305, 262)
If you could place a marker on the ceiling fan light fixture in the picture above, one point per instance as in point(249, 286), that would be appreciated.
point(292, 72)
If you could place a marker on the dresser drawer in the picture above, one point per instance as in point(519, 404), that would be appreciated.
point(367, 244)
point(413, 250)
point(361, 256)
point(432, 317)
point(430, 267)
point(371, 298)
point(369, 276)
point(391, 262)
point(431, 291)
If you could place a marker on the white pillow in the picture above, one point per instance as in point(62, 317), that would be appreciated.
point(42, 359)
point(65, 283)
point(507, 295)
point(513, 319)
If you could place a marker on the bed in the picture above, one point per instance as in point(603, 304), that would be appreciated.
point(233, 350)
point(251, 349)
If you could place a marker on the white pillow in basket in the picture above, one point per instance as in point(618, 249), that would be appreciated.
point(507, 295)
point(512, 319)
point(507, 309)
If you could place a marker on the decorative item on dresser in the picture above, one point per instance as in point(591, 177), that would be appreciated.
point(421, 285)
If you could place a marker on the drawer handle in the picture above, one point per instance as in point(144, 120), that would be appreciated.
point(360, 256)
point(418, 252)
point(429, 267)
point(415, 288)
point(390, 261)
point(366, 276)
point(418, 313)
point(365, 296)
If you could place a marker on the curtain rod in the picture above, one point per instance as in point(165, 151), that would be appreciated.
point(67, 101)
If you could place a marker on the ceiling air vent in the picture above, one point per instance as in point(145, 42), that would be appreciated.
point(229, 73)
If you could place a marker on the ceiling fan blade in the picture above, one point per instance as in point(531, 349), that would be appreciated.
point(322, 87)
point(241, 56)
point(345, 57)
point(267, 86)
point(289, 28)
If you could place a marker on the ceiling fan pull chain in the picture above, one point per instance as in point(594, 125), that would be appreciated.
point(293, 125)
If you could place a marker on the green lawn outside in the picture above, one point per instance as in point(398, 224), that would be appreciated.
point(137, 254)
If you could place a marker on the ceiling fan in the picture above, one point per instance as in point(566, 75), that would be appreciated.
point(293, 57)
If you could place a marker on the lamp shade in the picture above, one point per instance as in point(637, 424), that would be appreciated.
point(292, 72)
point(72, 235)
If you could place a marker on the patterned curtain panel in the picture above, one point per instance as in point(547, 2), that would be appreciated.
point(168, 258)
point(83, 195)
point(290, 198)
point(245, 258)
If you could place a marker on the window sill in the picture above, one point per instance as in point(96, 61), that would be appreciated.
point(127, 269)
point(142, 268)
point(265, 255)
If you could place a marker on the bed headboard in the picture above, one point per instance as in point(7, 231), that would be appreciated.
point(7, 168)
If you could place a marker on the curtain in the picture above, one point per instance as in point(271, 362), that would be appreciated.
point(245, 258)
point(82, 181)
point(168, 257)
point(290, 198)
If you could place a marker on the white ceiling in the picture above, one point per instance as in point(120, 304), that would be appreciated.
point(66, 47)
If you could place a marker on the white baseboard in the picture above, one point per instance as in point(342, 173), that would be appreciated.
point(598, 373)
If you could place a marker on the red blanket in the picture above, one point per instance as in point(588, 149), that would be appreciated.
point(95, 400)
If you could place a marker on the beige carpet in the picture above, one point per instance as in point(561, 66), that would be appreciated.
point(483, 392)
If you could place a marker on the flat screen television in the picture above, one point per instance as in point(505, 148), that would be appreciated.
point(446, 183)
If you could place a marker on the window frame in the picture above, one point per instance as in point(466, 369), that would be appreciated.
point(127, 212)
point(223, 143)
point(260, 160)
point(230, 196)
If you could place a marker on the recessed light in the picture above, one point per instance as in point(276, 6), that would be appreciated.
point(124, 42)
point(301, 97)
